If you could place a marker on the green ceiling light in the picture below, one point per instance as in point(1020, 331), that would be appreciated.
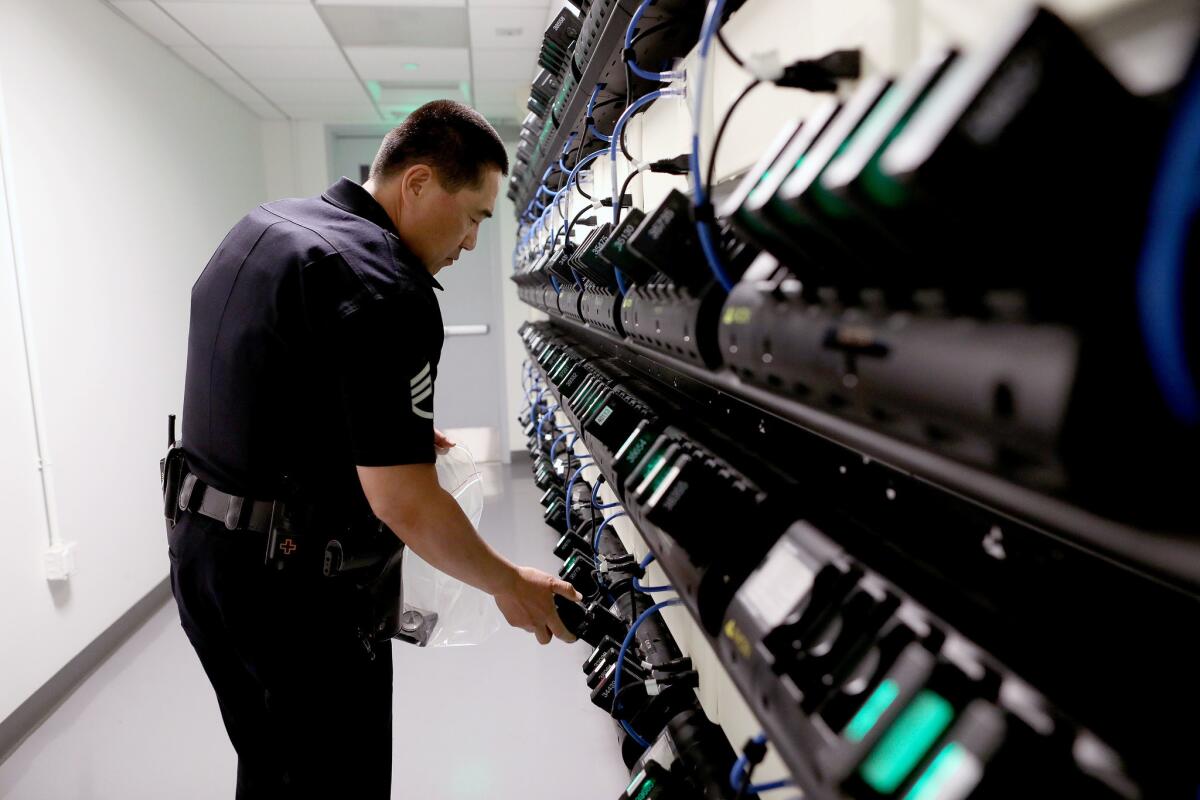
point(375, 90)
point(412, 66)
point(465, 88)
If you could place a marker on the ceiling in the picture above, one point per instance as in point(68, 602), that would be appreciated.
point(355, 61)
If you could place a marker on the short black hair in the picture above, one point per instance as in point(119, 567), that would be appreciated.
point(451, 137)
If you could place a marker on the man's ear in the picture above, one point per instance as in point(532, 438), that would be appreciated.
point(417, 179)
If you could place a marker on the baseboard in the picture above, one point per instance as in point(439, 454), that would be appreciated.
point(18, 725)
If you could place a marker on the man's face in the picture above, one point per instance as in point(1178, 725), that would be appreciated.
point(437, 225)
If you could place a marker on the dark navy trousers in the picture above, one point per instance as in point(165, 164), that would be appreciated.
point(307, 706)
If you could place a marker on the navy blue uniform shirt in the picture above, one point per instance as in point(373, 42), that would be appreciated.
point(314, 343)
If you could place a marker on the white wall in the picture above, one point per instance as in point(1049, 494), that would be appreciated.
point(124, 168)
point(296, 158)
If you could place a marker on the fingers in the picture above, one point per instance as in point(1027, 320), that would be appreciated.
point(558, 629)
point(543, 634)
point(564, 589)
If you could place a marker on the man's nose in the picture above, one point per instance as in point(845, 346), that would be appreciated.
point(469, 242)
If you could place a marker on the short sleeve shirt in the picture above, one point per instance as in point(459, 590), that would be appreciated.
point(313, 347)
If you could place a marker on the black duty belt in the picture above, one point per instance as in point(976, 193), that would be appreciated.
point(237, 513)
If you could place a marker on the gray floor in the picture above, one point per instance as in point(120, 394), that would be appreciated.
point(506, 719)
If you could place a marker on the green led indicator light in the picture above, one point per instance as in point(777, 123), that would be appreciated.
point(654, 464)
point(868, 716)
point(658, 480)
point(601, 396)
point(768, 180)
point(647, 787)
point(633, 784)
point(571, 561)
point(758, 190)
point(910, 737)
point(876, 183)
point(953, 770)
point(634, 438)
point(595, 402)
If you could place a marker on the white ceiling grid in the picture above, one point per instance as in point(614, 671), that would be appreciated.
point(355, 61)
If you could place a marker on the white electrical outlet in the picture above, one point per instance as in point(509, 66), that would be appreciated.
point(60, 561)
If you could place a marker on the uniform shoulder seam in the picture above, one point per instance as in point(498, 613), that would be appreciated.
point(314, 231)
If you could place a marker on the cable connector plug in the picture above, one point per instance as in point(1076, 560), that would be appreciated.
point(755, 750)
point(679, 165)
point(626, 201)
point(822, 74)
point(842, 63)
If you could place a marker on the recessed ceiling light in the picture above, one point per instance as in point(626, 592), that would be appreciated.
point(412, 67)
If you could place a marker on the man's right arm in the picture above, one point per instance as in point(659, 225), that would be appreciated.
point(387, 379)
point(409, 500)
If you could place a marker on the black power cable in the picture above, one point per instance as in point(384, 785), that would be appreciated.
point(729, 50)
point(813, 75)
point(667, 166)
point(575, 219)
point(712, 157)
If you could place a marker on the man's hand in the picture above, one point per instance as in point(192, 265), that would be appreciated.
point(408, 499)
point(527, 602)
point(441, 442)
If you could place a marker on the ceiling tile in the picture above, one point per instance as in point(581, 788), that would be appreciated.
point(331, 92)
point(508, 28)
point(204, 61)
point(501, 99)
point(241, 90)
point(249, 97)
point(498, 110)
point(505, 65)
point(302, 63)
point(153, 21)
point(251, 24)
point(397, 26)
point(393, 96)
point(411, 64)
point(332, 112)
point(507, 90)
point(489, 88)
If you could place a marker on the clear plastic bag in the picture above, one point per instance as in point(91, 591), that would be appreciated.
point(441, 611)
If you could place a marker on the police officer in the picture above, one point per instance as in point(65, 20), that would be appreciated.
point(308, 416)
